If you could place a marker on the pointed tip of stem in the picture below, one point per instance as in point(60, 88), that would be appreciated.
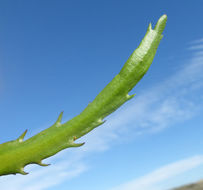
point(160, 25)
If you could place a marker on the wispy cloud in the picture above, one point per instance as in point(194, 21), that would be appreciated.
point(153, 179)
point(170, 102)
point(196, 47)
point(197, 41)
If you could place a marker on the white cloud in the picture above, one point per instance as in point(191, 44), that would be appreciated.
point(170, 102)
point(196, 47)
point(197, 41)
point(153, 179)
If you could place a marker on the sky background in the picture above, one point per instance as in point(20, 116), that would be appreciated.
point(58, 55)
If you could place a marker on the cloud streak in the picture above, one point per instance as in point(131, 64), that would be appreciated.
point(151, 181)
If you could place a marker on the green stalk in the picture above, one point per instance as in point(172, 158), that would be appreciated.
point(16, 154)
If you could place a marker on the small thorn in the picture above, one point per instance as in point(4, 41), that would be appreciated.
point(42, 164)
point(149, 27)
point(20, 139)
point(23, 172)
point(77, 144)
point(100, 122)
point(58, 122)
point(103, 122)
point(130, 96)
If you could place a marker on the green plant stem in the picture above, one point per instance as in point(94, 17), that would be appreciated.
point(15, 155)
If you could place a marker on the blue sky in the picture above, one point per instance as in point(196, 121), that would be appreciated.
point(58, 55)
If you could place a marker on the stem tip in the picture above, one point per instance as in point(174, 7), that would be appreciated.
point(160, 25)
